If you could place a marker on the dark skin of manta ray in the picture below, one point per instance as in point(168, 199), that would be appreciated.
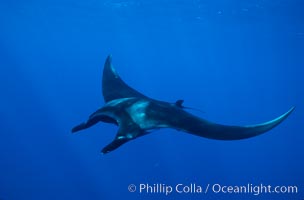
point(137, 114)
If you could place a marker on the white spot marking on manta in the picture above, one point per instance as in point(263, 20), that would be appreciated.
point(115, 102)
point(114, 71)
point(138, 114)
point(128, 136)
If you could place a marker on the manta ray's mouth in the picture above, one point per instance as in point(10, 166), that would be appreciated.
point(110, 120)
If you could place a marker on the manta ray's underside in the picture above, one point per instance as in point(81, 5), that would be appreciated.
point(137, 114)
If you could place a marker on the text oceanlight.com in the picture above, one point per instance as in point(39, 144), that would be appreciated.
point(216, 188)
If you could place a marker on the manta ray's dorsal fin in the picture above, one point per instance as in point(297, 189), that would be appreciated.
point(179, 103)
point(113, 87)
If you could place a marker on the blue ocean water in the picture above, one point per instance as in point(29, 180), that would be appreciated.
point(241, 62)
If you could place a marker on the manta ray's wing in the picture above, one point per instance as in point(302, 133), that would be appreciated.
point(203, 128)
point(224, 132)
point(113, 87)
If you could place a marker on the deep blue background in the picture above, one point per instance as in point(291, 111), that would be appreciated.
point(241, 62)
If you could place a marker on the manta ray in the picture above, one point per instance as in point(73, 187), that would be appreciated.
point(137, 115)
